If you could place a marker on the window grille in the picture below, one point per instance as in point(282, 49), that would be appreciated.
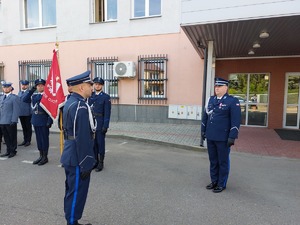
point(103, 67)
point(34, 69)
point(152, 79)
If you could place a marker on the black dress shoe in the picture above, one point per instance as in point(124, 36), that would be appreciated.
point(4, 155)
point(27, 144)
point(212, 185)
point(12, 155)
point(76, 223)
point(23, 143)
point(218, 189)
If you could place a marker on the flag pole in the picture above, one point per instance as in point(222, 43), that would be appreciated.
point(61, 138)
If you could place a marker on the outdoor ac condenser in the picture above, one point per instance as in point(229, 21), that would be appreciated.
point(124, 69)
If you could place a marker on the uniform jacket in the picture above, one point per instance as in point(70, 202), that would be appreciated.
point(79, 141)
point(9, 109)
point(101, 106)
point(221, 119)
point(26, 108)
point(39, 115)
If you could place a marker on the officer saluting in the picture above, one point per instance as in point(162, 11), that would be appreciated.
point(220, 125)
point(101, 106)
point(40, 120)
point(25, 114)
point(78, 157)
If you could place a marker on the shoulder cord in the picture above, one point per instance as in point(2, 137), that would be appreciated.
point(206, 108)
point(93, 123)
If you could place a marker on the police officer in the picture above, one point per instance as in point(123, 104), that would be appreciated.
point(9, 113)
point(101, 106)
point(220, 126)
point(78, 157)
point(40, 120)
point(25, 114)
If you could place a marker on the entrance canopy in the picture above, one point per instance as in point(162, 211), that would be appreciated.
point(242, 38)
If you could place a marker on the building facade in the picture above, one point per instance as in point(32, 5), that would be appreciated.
point(254, 44)
point(163, 73)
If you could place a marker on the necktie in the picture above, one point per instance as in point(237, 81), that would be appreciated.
point(4, 97)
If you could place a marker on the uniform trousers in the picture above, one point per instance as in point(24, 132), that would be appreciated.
point(218, 154)
point(10, 137)
point(76, 191)
point(26, 127)
point(99, 146)
point(42, 138)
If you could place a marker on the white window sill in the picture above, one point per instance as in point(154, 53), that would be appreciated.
point(38, 28)
point(107, 21)
point(145, 17)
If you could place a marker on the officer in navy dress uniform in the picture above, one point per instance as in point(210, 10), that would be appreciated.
point(101, 107)
point(40, 120)
point(78, 157)
point(220, 126)
point(25, 114)
point(9, 114)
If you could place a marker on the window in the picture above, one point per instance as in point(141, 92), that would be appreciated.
point(252, 90)
point(104, 10)
point(152, 79)
point(39, 13)
point(103, 67)
point(145, 8)
point(32, 70)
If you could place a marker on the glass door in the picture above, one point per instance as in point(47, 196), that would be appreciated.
point(291, 101)
point(252, 90)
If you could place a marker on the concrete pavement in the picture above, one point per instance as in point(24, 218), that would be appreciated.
point(146, 183)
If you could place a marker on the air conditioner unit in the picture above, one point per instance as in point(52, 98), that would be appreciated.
point(124, 69)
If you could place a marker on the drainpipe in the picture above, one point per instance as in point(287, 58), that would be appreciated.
point(203, 86)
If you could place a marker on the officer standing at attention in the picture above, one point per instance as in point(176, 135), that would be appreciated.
point(25, 114)
point(9, 114)
point(78, 157)
point(101, 106)
point(40, 120)
point(220, 126)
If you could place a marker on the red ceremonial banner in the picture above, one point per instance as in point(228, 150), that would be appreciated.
point(53, 96)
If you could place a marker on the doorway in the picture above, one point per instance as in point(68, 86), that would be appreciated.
point(291, 101)
point(252, 90)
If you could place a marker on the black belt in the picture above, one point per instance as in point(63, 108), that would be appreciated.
point(70, 138)
point(98, 114)
point(37, 112)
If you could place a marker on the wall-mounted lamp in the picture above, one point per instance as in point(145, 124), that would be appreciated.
point(256, 45)
point(200, 45)
point(251, 52)
point(264, 34)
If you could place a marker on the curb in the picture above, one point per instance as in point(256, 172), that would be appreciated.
point(186, 147)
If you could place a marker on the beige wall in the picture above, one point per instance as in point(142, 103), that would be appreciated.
point(185, 67)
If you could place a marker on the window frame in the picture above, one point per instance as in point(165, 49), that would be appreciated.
point(146, 10)
point(95, 16)
point(152, 73)
point(34, 69)
point(40, 19)
point(103, 67)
